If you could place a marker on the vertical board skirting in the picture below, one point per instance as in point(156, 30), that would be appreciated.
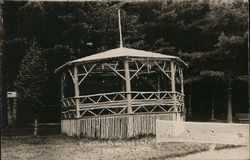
point(122, 126)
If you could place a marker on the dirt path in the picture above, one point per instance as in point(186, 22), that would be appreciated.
point(241, 153)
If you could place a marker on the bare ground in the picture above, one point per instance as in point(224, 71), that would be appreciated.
point(65, 148)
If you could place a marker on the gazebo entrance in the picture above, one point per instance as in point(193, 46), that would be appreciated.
point(120, 88)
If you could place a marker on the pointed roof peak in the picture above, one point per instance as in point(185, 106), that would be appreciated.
point(124, 52)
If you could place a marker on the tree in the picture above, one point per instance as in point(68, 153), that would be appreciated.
point(3, 109)
point(229, 59)
point(227, 63)
point(234, 49)
point(31, 14)
point(225, 29)
point(212, 38)
point(31, 79)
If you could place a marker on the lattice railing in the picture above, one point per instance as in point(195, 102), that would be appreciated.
point(119, 98)
point(116, 103)
point(71, 113)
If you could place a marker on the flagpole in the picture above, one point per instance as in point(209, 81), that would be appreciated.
point(120, 28)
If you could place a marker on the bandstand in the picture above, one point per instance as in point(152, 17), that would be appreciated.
point(120, 93)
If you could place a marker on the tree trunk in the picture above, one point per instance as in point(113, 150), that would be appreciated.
point(229, 106)
point(3, 80)
point(190, 101)
point(248, 75)
point(212, 109)
point(35, 126)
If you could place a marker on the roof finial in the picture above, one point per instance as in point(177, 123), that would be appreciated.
point(120, 27)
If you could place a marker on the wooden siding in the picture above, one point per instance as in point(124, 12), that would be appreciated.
point(120, 126)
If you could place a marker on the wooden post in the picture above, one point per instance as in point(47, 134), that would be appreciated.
point(35, 126)
point(128, 91)
point(76, 90)
point(229, 106)
point(182, 91)
point(62, 94)
point(128, 86)
point(173, 84)
point(62, 85)
point(182, 83)
point(62, 89)
point(123, 86)
point(14, 109)
point(212, 113)
point(159, 85)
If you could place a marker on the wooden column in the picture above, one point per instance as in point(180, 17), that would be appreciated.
point(123, 87)
point(128, 86)
point(182, 83)
point(173, 84)
point(128, 91)
point(182, 91)
point(159, 84)
point(76, 90)
point(62, 85)
point(63, 74)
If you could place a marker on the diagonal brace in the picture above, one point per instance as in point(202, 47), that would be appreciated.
point(87, 72)
point(138, 70)
point(114, 70)
point(162, 70)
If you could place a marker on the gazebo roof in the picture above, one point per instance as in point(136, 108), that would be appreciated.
point(119, 53)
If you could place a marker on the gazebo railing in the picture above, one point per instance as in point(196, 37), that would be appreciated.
point(116, 103)
point(119, 98)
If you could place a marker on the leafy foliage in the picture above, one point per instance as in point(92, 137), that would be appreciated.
point(211, 38)
point(29, 85)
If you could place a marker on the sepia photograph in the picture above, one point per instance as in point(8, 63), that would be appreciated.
point(124, 80)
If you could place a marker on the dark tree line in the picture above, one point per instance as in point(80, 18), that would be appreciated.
point(211, 38)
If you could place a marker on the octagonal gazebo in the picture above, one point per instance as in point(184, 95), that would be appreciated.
point(120, 93)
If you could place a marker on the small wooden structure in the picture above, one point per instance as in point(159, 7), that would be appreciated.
point(120, 93)
point(11, 108)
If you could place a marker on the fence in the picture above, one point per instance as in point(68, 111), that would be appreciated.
point(203, 132)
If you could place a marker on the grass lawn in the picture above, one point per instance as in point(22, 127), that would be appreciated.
point(65, 148)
